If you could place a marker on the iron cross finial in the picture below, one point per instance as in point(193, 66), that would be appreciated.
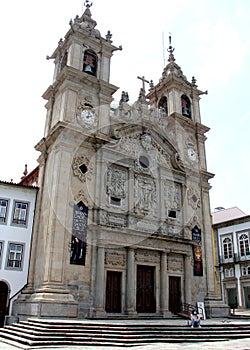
point(170, 47)
point(88, 4)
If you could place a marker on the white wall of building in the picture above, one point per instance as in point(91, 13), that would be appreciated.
point(16, 278)
point(236, 279)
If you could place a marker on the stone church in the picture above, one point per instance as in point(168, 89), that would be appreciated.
point(122, 224)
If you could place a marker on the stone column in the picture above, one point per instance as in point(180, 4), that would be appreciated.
point(187, 278)
point(163, 283)
point(164, 288)
point(99, 292)
point(130, 285)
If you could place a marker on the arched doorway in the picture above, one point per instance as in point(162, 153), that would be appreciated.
point(4, 290)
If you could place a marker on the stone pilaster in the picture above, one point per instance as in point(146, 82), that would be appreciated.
point(130, 287)
point(99, 292)
point(187, 278)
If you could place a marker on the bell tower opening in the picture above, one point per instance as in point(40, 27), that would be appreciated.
point(90, 62)
point(163, 104)
point(185, 106)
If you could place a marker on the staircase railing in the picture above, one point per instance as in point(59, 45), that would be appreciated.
point(186, 310)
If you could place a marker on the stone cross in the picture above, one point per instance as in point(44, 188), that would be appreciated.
point(143, 82)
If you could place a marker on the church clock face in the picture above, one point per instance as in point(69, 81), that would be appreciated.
point(88, 116)
point(192, 154)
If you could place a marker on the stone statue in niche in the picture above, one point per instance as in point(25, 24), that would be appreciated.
point(145, 195)
point(116, 179)
point(146, 142)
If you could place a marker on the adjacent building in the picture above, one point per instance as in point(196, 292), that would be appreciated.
point(232, 232)
point(17, 206)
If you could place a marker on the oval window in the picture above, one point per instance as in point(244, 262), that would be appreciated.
point(144, 162)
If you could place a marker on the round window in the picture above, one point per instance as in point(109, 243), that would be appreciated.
point(144, 162)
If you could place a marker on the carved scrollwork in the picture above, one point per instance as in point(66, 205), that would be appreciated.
point(145, 194)
point(81, 167)
point(116, 180)
point(193, 198)
point(177, 162)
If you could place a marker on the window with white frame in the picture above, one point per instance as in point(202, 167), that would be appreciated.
point(1, 253)
point(244, 244)
point(20, 213)
point(229, 272)
point(245, 270)
point(15, 256)
point(3, 209)
point(227, 248)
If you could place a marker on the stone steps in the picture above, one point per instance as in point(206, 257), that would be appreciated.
point(48, 333)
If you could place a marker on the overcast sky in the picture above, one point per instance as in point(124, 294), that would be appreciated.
point(212, 43)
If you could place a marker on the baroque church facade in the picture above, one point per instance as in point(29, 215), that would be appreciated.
point(122, 224)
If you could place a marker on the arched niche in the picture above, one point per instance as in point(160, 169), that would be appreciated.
point(186, 106)
point(163, 104)
point(90, 62)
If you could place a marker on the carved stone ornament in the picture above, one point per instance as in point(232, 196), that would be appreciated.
point(193, 198)
point(175, 263)
point(145, 195)
point(170, 230)
point(112, 220)
point(81, 167)
point(116, 180)
point(115, 258)
point(172, 195)
point(146, 142)
point(177, 162)
point(147, 256)
point(81, 196)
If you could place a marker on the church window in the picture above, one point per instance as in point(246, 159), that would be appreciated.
point(115, 201)
point(15, 256)
point(64, 60)
point(20, 213)
point(227, 248)
point(79, 235)
point(144, 162)
point(90, 62)
point(186, 106)
point(172, 214)
point(83, 168)
point(3, 210)
point(244, 245)
point(163, 105)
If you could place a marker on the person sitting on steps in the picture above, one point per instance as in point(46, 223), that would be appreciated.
point(195, 320)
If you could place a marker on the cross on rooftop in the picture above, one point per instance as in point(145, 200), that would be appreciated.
point(143, 82)
point(88, 4)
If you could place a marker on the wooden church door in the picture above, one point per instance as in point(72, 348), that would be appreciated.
point(145, 298)
point(174, 294)
point(113, 292)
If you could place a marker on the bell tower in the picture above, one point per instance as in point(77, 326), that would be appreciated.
point(178, 100)
point(81, 92)
point(78, 110)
